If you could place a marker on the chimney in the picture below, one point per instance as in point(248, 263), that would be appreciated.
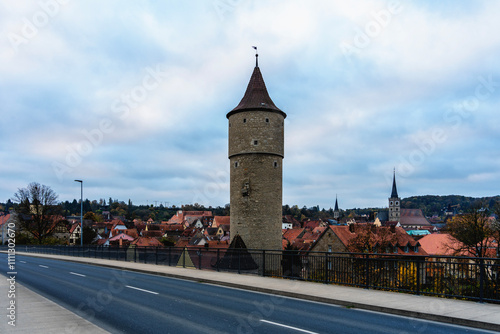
point(351, 228)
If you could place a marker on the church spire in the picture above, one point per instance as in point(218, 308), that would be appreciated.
point(394, 193)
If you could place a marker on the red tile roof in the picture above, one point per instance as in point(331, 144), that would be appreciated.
point(221, 220)
point(147, 242)
point(4, 219)
point(413, 217)
point(440, 244)
point(292, 234)
point(122, 236)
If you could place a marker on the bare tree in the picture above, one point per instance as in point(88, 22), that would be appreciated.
point(37, 210)
point(474, 231)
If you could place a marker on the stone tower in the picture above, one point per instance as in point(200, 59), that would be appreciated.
point(394, 203)
point(256, 148)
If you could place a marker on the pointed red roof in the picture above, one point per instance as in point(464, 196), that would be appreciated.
point(256, 96)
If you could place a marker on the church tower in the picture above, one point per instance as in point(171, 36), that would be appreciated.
point(336, 212)
point(256, 149)
point(394, 202)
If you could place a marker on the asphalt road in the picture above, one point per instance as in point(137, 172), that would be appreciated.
point(129, 302)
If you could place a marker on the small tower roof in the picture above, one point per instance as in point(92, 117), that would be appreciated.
point(394, 193)
point(256, 96)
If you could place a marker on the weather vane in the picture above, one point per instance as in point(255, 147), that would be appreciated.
point(256, 57)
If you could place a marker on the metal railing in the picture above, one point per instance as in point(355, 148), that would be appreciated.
point(453, 277)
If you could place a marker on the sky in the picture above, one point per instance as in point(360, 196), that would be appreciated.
point(131, 97)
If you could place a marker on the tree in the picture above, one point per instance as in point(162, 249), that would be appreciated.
point(473, 230)
point(37, 210)
point(371, 239)
point(88, 235)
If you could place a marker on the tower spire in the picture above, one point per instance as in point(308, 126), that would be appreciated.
point(256, 57)
point(394, 193)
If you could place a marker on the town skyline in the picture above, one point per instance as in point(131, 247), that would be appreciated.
point(132, 98)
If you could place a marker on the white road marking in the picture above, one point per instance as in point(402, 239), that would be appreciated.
point(42, 266)
point(290, 327)
point(133, 287)
point(77, 274)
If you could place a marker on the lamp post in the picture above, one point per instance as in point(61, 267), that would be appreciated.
point(81, 211)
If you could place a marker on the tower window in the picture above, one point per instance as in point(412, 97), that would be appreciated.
point(256, 142)
point(244, 120)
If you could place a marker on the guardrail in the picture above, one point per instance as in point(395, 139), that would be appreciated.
point(453, 277)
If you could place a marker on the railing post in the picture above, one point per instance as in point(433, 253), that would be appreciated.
point(218, 259)
point(481, 280)
point(263, 263)
point(169, 256)
point(417, 265)
point(326, 268)
point(239, 261)
point(199, 258)
point(367, 271)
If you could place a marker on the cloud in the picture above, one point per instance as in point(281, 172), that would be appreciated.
point(79, 95)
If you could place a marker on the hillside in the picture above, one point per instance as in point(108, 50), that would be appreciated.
point(434, 205)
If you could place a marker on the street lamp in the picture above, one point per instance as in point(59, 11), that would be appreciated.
point(81, 212)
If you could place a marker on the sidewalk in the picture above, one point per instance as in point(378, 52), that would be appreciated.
point(36, 314)
point(458, 312)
